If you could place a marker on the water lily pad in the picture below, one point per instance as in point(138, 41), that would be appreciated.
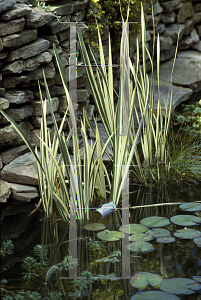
point(145, 237)
point(154, 295)
point(192, 206)
point(187, 233)
point(155, 221)
point(185, 220)
point(140, 247)
point(133, 228)
point(197, 241)
point(111, 236)
point(180, 286)
point(165, 239)
point(197, 278)
point(95, 226)
point(158, 232)
point(142, 279)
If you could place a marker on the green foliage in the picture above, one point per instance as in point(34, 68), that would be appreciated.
point(67, 264)
point(42, 5)
point(7, 247)
point(28, 295)
point(190, 116)
point(108, 11)
point(41, 252)
point(29, 265)
point(82, 285)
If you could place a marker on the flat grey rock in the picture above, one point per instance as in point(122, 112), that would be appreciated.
point(37, 107)
point(4, 191)
point(16, 40)
point(14, 26)
point(21, 170)
point(4, 103)
point(187, 70)
point(18, 97)
point(29, 64)
point(32, 49)
point(23, 192)
point(18, 114)
point(38, 17)
point(14, 152)
point(17, 11)
point(11, 82)
point(6, 5)
point(10, 137)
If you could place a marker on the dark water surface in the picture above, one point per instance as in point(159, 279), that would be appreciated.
point(181, 258)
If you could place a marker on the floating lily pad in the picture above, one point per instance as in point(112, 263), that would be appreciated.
point(197, 241)
point(185, 220)
point(145, 237)
point(179, 286)
point(154, 295)
point(158, 232)
point(111, 236)
point(155, 222)
point(192, 206)
point(165, 239)
point(95, 226)
point(140, 247)
point(133, 228)
point(197, 278)
point(187, 233)
point(142, 279)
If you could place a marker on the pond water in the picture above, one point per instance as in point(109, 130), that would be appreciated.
point(155, 250)
point(111, 264)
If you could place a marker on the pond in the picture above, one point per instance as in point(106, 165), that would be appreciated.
point(155, 250)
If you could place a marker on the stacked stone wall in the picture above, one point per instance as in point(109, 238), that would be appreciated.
point(27, 35)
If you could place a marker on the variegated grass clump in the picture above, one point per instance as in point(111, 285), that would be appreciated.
point(133, 96)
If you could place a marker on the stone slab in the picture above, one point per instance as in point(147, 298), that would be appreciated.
point(48, 69)
point(18, 114)
point(14, 152)
point(6, 5)
point(13, 26)
point(12, 82)
point(4, 104)
point(37, 107)
point(5, 191)
point(23, 192)
point(38, 17)
point(186, 11)
point(10, 137)
point(29, 64)
point(19, 97)
point(22, 170)
point(32, 49)
point(188, 63)
point(16, 40)
point(17, 11)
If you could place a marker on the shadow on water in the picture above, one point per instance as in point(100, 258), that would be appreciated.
point(105, 261)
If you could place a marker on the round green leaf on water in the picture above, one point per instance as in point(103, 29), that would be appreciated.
point(165, 239)
point(158, 232)
point(197, 241)
point(133, 228)
point(142, 279)
point(110, 236)
point(145, 237)
point(179, 286)
point(187, 233)
point(197, 278)
point(191, 206)
point(140, 247)
point(155, 221)
point(154, 295)
point(185, 220)
point(95, 226)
